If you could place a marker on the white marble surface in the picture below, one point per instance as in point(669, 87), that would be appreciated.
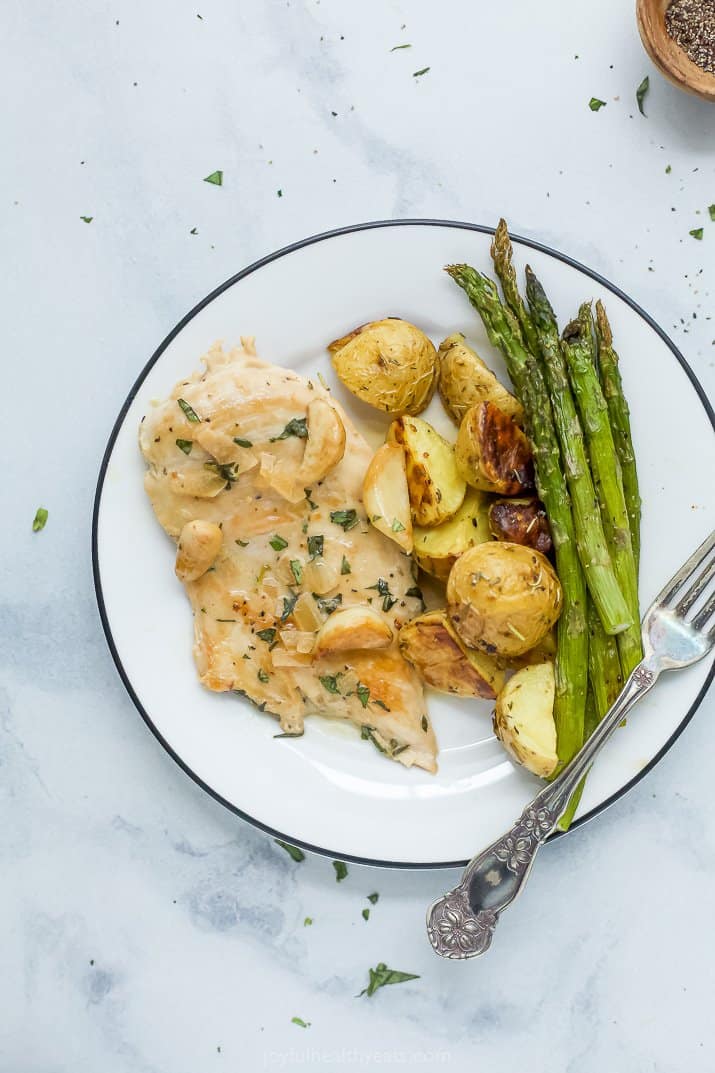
point(142, 927)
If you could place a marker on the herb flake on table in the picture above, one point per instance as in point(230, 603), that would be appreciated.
point(40, 520)
point(297, 426)
point(711, 211)
point(278, 543)
point(347, 519)
point(396, 48)
point(189, 411)
point(307, 922)
point(279, 193)
point(697, 233)
point(194, 231)
point(641, 93)
point(381, 976)
point(341, 870)
point(300, 1022)
point(87, 219)
point(668, 169)
point(215, 178)
point(373, 897)
point(422, 71)
point(366, 914)
point(595, 104)
point(292, 851)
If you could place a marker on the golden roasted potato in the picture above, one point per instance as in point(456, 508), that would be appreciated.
point(430, 644)
point(386, 496)
point(492, 453)
point(437, 549)
point(521, 521)
point(465, 380)
point(503, 598)
point(199, 544)
point(353, 628)
point(389, 364)
point(524, 719)
point(436, 489)
point(544, 652)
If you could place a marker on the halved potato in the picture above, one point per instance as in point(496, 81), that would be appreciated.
point(436, 489)
point(465, 380)
point(199, 544)
point(431, 645)
point(386, 496)
point(390, 364)
point(503, 598)
point(492, 453)
point(521, 521)
point(524, 719)
point(353, 628)
point(437, 549)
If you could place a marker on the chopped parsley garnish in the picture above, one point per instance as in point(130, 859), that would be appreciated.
point(668, 169)
point(297, 426)
point(697, 233)
point(288, 605)
point(382, 587)
point(422, 71)
point(341, 870)
point(185, 446)
point(329, 682)
point(425, 724)
point(262, 676)
point(315, 546)
point(242, 442)
point(711, 210)
point(307, 922)
point(594, 104)
point(366, 914)
point(397, 48)
point(298, 1020)
point(190, 412)
point(373, 897)
point(297, 570)
point(268, 635)
point(381, 704)
point(225, 620)
point(380, 976)
point(363, 694)
point(415, 591)
point(348, 519)
point(194, 231)
point(227, 471)
point(215, 178)
point(40, 520)
point(388, 602)
point(242, 543)
point(328, 604)
point(641, 93)
point(311, 504)
point(366, 733)
point(397, 526)
point(87, 219)
point(278, 543)
point(279, 193)
point(292, 851)
point(345, 567)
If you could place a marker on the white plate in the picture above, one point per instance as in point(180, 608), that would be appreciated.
point(329, 790)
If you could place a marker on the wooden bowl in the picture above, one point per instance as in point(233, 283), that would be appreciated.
point(669, 58)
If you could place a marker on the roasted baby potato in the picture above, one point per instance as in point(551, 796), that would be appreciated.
point(389, 364)
point(524, 719)
point(199, 544)
point(386, 496)
point(521, 521)
point(465, 380)
point(437, 549)
point(436, 489)
point(503, 598)
point(430, 644)
point(492, 453)
point(353, 628)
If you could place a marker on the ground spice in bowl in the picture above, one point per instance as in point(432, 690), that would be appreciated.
point(691, 24)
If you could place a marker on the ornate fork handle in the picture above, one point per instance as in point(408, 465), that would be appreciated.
point(461, 923)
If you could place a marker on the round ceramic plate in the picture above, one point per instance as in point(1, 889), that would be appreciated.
point(328, 790)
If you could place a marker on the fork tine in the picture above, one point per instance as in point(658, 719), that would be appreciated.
point(695, 560)
point(698, 587)
point(702, 617)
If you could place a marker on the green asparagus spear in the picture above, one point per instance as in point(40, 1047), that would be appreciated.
point(501, 251)
point(604, 666)
point(572, 636)
point(589, 725)
point(579, 353)
point(619, 415)
point(590, 538)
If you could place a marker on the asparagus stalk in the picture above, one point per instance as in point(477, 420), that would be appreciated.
point(590, 537)
point(604, 666)
point(590, 723)
point(578, 350)
point(501, 251)
point(572, 636)
point(619, 415)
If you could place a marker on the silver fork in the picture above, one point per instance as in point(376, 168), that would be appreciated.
point(461, 923)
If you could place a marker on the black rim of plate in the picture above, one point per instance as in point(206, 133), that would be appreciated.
point(130, 398)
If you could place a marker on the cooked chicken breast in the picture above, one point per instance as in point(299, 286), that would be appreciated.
point(257, 475)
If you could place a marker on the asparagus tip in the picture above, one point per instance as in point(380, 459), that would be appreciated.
point(602, 322)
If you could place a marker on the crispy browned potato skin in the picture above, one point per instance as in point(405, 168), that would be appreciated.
point(430, 644)
point(492, 452)
point(521, 521)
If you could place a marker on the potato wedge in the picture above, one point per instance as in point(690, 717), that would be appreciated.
point(524, 719)
point(390, 364)
point(431, 645)
point(353, 628)
point(436, 489)
point(199, 544)
point(492, 453)
point(503, 598)
point(521, 521)
point(465, 380)
point(386, 496)
point(437, 549)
